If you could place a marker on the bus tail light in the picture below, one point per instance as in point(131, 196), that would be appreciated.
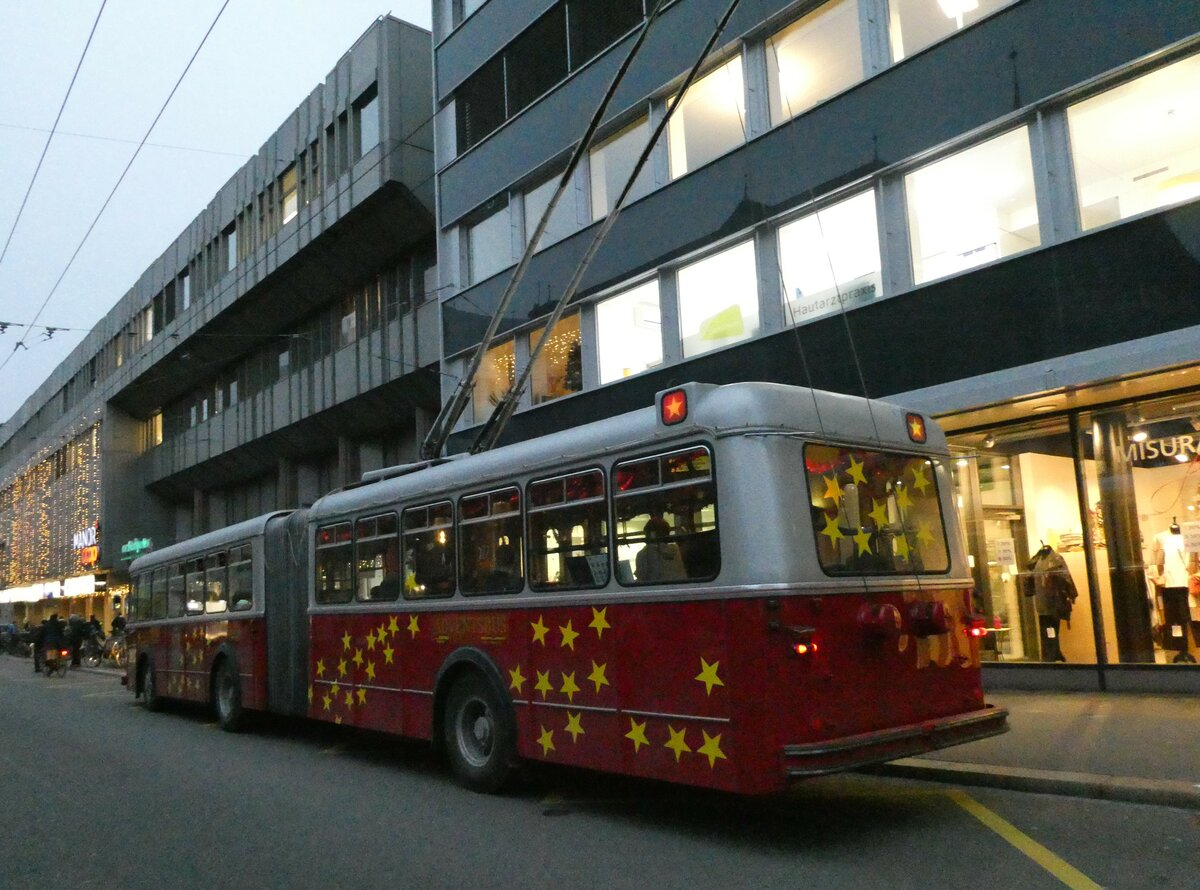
point(927, 619)
point(802, 641)
point(975, 626)
point(880, 621)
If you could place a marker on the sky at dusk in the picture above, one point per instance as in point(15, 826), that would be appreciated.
point(261, 60)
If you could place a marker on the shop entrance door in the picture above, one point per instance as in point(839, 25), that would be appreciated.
point(1010, 613)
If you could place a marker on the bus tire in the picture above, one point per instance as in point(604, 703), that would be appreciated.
point(149, 693)
point(479, 734)
point(227, 696)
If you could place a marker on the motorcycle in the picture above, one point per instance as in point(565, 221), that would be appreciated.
point(56, 660)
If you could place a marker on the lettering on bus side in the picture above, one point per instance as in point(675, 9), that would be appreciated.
point(492, 628)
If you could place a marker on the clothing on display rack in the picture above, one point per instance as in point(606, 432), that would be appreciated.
point(1049, 582)
point(1175, 568)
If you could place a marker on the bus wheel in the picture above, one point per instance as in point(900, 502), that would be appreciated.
point(227, 696)
point(150, 696)
point(479, 734)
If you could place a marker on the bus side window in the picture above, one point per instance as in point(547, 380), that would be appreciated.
point(568, 532)
point(158, 593)
point(429, 551)
point(215, 583)
point(241, 578)
point(335, 567)
point(666, 518)
point(490, 541)
point(195, 585)
point(176, 589)
point(377, 558)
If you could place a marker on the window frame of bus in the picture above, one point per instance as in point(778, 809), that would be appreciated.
point(158, 592)
point(810, 479)
point(194, 568)
point(238, 550)
point(337, 543)
point(427, 525)
point(619, 494)
point(490, 496)
point(376, 536)
point(221, 558)
point(533, 509)
point(178, 571)
point(141, 604)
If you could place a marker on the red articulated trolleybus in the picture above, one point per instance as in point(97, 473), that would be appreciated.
point(741, 586)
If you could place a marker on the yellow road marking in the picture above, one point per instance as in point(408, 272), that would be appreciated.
point(333, 749)
point(1061, 869)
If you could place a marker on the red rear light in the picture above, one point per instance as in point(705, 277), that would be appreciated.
point(804, 648)
point(975, 626)
point(926, 619)
point(802, 640)
point(65, 653)
point(880, 621)
point(916, 428)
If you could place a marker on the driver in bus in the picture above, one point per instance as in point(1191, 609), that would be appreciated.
point(659, 560)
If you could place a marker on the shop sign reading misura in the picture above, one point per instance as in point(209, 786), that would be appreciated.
point(1167, 447)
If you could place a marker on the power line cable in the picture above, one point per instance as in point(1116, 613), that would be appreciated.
point(21, 343)
point(50, 138)
point(207, 151)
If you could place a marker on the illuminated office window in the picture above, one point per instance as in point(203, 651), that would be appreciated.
point(718, 300)
point(813, 58)
point(710, 120)
point(629, 332)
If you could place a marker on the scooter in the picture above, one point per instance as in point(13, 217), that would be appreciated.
point(56, 660)
point(91, 653)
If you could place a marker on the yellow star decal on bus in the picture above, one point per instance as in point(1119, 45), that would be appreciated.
point(346, 642)
point(335, 688)
point(708, 676)
point(543, 684)
point(597, 675)
point(574, 727)
point(320, 667)
point(903, 501)
point(831, 529)
point(342, 668)
point(414, 627)
point(833, 491)
point(393, 627)
point(902, 547)
point(568, 636)
point(370, 670)
point(546, 740)
point(387, 655)
point(310, 695)
point(569, 688)
point(539, 631)
point(856, 472)
point(677, 742)
point(924, 533)
point(338, 719)
point(599, 622)
point(517, 679)
point(327, 700)
point(362, 696)
point(920, 483)
point(863, 540)
point(637, 734)
point(371, 641)
point(349, 699)
point(357, 659)
point(879, 514)
point(711, 748)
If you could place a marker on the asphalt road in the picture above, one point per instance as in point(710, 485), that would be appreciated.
point(100, 793)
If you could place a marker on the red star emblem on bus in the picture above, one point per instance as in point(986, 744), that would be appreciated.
point(674, 407)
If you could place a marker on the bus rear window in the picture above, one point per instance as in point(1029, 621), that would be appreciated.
point(875, 512)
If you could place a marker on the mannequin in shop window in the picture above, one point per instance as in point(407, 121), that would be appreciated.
point(1174, 568)
point(1050, 584)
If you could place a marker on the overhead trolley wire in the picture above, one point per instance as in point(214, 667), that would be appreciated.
point(21, 343)
point(53, 129)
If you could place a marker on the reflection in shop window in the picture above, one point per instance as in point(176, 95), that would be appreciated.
point(611, 163)
point(814, 58)
point(489, 245)
point(830, 259)
point(718, 300)
point(972, 207)
point(916, 24)
point(558, 370)
point(1136, 148)
point(496, 375)
point(709, 121)
point(629, 332)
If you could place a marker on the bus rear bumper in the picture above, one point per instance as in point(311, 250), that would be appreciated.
point(835, 755)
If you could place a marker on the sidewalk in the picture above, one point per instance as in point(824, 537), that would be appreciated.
point(1115, 746)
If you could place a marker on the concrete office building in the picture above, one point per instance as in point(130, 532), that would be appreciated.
point(984, 208)
point(280, 346)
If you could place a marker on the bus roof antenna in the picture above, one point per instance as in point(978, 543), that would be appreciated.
point(495, 424)
point(439, 432)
